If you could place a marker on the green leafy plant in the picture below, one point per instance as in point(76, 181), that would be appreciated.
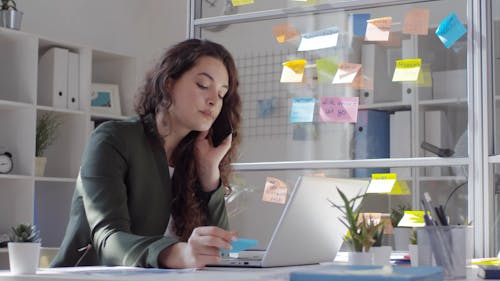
point(398, 213)
point(8, 5)
point(24, 233)
point(358, 236)
point(378, 231)
point(46, 129)
point(413, 237)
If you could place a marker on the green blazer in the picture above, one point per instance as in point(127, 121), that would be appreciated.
point(122, 200)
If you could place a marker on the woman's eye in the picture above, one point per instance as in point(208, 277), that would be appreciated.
point(221, 96)
point(201, 86)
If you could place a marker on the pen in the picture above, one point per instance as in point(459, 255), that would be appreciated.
point(428, 200)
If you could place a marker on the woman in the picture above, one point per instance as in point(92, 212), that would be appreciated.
point(160, 169)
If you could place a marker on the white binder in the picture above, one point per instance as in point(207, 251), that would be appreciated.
point(53, 78)
point(73, 101)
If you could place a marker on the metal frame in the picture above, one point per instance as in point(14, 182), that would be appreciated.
point(479, 78)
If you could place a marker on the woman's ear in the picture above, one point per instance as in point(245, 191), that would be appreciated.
point(169, 84)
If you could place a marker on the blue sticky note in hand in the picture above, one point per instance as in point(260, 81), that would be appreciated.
point(240, 244)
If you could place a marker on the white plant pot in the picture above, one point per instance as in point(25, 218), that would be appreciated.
point(401, 238)
point(23, 257)
point(381, 255)
point(413, 252)
point(40, 163)
point(360, 258)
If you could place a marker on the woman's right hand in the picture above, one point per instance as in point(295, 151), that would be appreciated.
point(202, 248)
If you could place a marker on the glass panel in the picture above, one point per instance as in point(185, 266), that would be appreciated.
point(496, 87)
point(213, 8)
point(393, 119)
point(255, 216)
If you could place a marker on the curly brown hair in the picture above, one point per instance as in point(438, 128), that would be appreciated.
point(188, 206)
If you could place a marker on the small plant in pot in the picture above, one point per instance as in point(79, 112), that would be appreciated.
point(413, 248)
point(24, 249)
point(401, 234)
point(46, 133)
point(10, 17)
point(359, 237)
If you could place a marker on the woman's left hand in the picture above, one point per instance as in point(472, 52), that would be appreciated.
point(208, 159)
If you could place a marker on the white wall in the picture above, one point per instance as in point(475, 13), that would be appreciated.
point(141, 29)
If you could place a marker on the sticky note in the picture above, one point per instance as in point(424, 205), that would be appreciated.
point(285, 32)
point(326, 69)
point(302, 110)
point(400, 188)
point(339, 109)
point(324, 38)
point(359, 24)
point(240, 244)
point(265, 107)
point(450, 30)
point(241, 2)
point(275, 191)
point(361, 82)
point(293, 71)
point(346, 73)
point(380, 185)
point(416, 22)
point(378, 29)
point(412, 219)
point(425, 76)
point(407, 70)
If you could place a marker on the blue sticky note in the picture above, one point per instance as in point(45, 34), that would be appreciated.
point(450, 30)
point(302, 110)
point(265, 107)
point(241, 244)
point(359, 24)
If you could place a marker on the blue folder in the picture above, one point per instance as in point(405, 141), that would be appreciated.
point(369, 273)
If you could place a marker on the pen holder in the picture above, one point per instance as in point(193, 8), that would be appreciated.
point(447, 243)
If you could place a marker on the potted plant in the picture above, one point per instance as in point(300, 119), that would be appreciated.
point(46, 132)
point(359, 237)
point(10, 17)
point(381, 254)
point(401, 234)
point(24, 249)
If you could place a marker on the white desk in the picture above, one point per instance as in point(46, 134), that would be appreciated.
point(208, 274)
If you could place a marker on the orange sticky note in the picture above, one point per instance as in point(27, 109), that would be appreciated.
point(293, 71)
point(275, 191)
point(346, 73)
point(378, 29)
point(361, 82)
point(285, 32)
point(416, 22)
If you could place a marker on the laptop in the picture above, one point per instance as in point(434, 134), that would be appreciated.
point(309, 230)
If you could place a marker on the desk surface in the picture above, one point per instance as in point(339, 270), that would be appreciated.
point(207, 274)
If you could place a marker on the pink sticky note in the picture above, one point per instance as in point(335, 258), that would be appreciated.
point(346, 73)
point(275, 191)
point(378, 29)
point(339, 109)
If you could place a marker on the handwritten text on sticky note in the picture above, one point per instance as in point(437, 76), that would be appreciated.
point(450, 30)
point(275, 191)
point(241, 2)
point(302, 110)
point(339, 109)
point(407, 70)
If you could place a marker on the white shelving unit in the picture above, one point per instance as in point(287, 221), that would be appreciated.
point(24, 197)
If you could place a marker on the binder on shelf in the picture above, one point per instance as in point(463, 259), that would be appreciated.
point(369, 273)
point(53, 78)
point(436, 132)
point(371, 140)
point(73, 101)
point(400, 140)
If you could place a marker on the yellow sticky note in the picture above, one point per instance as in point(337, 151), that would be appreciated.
point(346, 73)
point(326, 69)
point(416, 22)
point(378, 29)
point(241, 2)
point(412, 219)
point(407, 70)
point(425, 76)
point(400, 188)
point(275, 191)
point(285, 32)
point(293, 71)
point(381, 185)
